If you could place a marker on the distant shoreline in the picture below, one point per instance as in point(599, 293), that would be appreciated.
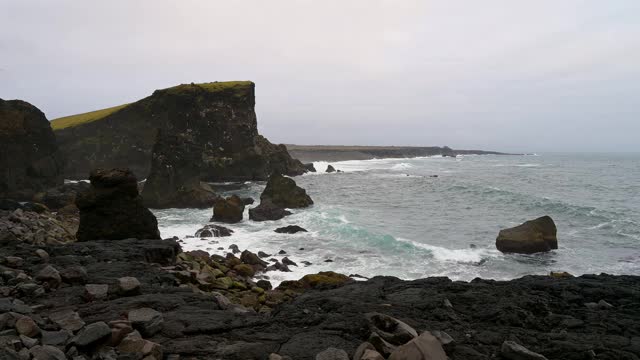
point(310, 153)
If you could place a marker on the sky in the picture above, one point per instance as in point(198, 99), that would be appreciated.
point(526, 76)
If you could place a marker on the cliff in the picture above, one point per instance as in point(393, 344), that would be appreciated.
point(220, 116)
point(29, 156)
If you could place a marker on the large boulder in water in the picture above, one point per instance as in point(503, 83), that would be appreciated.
point(228, 210)
point(267, 210)
point(176, 167)
point(29, 158)
point(112, 209)
point(283, 191)
point(220, 116)
point(533, 236)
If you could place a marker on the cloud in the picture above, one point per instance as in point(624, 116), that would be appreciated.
point(516, 76)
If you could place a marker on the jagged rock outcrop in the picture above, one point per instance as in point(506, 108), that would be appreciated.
point(112, 209)
point(174, 181)
point(219, 116)
point(267, 210)
point(283, 192)
point(533, 236)
point(29, 156)
point(228, 210)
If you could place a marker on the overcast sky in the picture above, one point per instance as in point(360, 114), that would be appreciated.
point(538, 75)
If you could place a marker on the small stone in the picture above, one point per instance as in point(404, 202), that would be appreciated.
point(28, 342)
point(27, 327)
point(513, 351)
point(146, 320)
point(222, 300)
point(47, 352)
point(49, 275)
point(447, 303)
point(133, 343)
point(94, 292)
point(263, 254)
point(43, 255)
point(371, 355)
point(67, 320)
point(604, 305)
point(74, 275)
point(424, 347)
point(14, 261)
point(332, 354)
point(59, 337)
point(286, 261)
point(129, 285)
point(234, 248)
point(92, 334)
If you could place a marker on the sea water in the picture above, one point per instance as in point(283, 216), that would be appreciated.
point(435, 216)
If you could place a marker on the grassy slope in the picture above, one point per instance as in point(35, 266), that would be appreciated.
point(74, 120)
point(238, 87)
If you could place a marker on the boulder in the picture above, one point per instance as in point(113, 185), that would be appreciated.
point(49, 275)
point(128, 286)
point(92, 335)
point(27, 327)
point(213, 231)
point(135, 344)
point(424, 347)
point(67, 320)
point(309, 167)
point(29, 158)
point(332, 354)
point(47, 352)
point(174, 179)
point(291, 229)
point(146, 320)
point(94, 292)
point(74, 275)
point(283, 192)
point(113, 210)
point(321, 280)
point(390, 329)
point(228, 210)
point(533, 236)
point(219, 115)
point(247, 257)
point(267, 210)
point(330, 169)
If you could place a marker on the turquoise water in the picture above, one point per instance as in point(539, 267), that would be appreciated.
point(391, 217)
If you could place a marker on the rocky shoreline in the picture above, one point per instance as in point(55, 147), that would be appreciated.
point(131, 299)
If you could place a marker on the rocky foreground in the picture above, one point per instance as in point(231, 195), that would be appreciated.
point(135, 299)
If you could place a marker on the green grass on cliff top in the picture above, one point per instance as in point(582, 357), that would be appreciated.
point(75, 120)
point(238, 87)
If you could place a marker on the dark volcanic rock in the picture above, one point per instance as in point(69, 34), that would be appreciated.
point(176, 169)
point(291, 229)
point(310, 167)
point(283, 192)
point(213, 231)
point(113, 210)
point(267, 210)
point(228, 210)
point(330, 169)
point(533, 236)
point(219, 115)
point(29, 156)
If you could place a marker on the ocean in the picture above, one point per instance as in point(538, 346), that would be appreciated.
point(395, 217)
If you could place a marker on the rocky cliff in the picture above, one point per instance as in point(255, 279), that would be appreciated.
point(29, 156)
point(220, 116)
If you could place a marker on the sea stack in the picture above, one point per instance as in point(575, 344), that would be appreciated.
point(29, 158)
point(533, 236)
point(284, 192)
point(112, 209)
point(176, 169)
